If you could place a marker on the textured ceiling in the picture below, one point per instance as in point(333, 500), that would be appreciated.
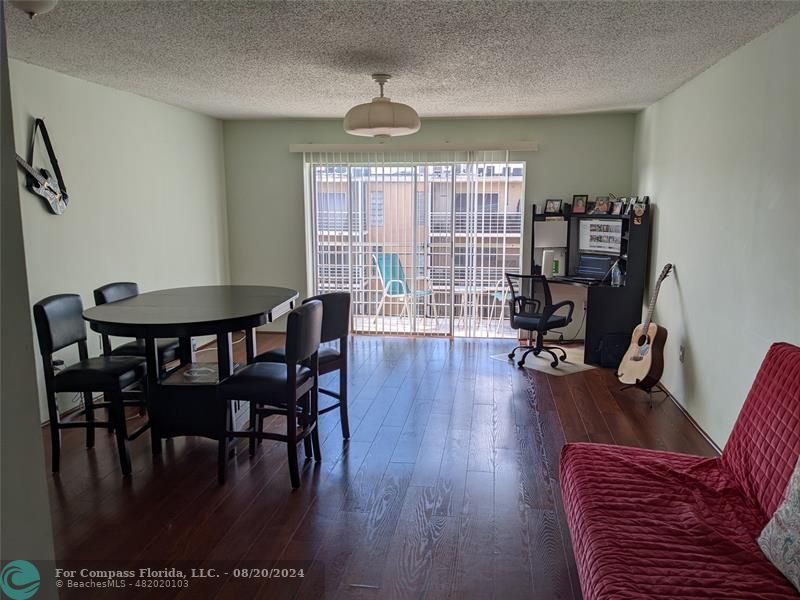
point(304, 58)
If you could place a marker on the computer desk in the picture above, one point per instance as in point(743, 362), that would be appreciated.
point(610, 311)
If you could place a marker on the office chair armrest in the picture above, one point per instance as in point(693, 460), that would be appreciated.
point(551, 310)
point(519, 303)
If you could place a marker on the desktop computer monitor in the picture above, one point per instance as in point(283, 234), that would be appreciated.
point(600, 236)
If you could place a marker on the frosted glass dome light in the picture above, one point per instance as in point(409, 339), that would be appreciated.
point(381, 118)
point(35, 7)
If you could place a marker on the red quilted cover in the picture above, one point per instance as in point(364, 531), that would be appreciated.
point(765, 442)
point(649, 524)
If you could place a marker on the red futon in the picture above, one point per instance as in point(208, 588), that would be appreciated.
point(660, 525)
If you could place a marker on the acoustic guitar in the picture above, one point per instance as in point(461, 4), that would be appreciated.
point(643, 362)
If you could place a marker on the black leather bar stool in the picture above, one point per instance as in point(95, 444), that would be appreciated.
point(168, 348)
point(289, 389)
point(335, 328)
point(59, 324)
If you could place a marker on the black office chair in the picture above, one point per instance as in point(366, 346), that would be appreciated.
point(113, 292)
point(290, 389)
point(532, 309)
point(59, 323)
point(335, 328)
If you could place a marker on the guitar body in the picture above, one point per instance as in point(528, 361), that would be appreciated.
point(643, 362)
point(43, 184)
point(50, 192)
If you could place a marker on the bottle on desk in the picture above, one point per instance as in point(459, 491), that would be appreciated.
point(616, 275)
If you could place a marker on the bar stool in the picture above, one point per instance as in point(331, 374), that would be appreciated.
point(167, 348)
point(59, 324)
point(335, 327)
point(289, 389)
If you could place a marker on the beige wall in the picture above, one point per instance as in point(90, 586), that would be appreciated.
point(577, 154)
point(146, 183)
point(720, 157)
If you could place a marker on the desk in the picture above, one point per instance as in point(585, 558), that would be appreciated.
point(185, 312)
point(612, 313)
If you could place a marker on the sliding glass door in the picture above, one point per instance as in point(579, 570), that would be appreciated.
point(421, 245)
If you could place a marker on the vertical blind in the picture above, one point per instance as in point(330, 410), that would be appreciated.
point(421, 240)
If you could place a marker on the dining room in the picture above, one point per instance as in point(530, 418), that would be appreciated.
point(260, 265)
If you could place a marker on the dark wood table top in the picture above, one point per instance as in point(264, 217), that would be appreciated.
point(188, 311)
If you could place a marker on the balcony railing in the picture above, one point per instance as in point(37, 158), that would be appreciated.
point(496, 223)
point(340, 220)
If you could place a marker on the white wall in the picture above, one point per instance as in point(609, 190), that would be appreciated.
point(720, 157)
point(584, 154)
point(146, 183)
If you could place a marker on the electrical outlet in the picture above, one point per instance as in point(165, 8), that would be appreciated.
point(682, 354)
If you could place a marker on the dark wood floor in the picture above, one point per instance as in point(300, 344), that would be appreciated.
point(448, 487)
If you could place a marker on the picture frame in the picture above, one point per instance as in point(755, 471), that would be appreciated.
point(579, 202)
point(616, 207)
point(552, 206)
point(601, 205)
point(629, 206)
point(590, 207)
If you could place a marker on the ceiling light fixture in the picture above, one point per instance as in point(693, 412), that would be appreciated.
point(35, 7)
point(381, 118)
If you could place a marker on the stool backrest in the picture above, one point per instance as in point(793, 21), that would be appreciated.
point(303, 332)
point(59, 322)
point(335, 315)
point(112, 292)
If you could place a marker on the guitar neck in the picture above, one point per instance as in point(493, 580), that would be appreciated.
point(652, 306)
point(27, 168)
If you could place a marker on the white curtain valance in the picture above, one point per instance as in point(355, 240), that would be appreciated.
point(403, 153)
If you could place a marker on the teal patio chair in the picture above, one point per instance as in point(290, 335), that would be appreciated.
point(394, 285)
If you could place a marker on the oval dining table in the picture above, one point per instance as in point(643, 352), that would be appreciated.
point(176, 405)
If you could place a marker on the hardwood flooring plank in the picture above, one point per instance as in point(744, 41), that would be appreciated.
point(569, 415)
point(593, 419)
point(364, 570)
point(418, 539)
point(372, 469)
point(482, 442)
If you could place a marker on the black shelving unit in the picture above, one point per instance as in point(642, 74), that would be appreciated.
point(612, 312)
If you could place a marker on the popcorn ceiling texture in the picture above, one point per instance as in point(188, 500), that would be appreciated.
point(234, 59)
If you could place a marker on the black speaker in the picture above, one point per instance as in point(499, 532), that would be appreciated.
point(612, 349)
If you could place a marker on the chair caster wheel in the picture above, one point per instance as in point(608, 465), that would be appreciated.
point(520, 364)
point(511, 356)
point(554, 364)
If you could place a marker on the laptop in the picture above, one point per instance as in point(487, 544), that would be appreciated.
point(593, 267)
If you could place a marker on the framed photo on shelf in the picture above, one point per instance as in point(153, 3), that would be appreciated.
point(616, 207)
point(579, 202)
point(590, 207)
point(552, 207)
point(601, 205)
